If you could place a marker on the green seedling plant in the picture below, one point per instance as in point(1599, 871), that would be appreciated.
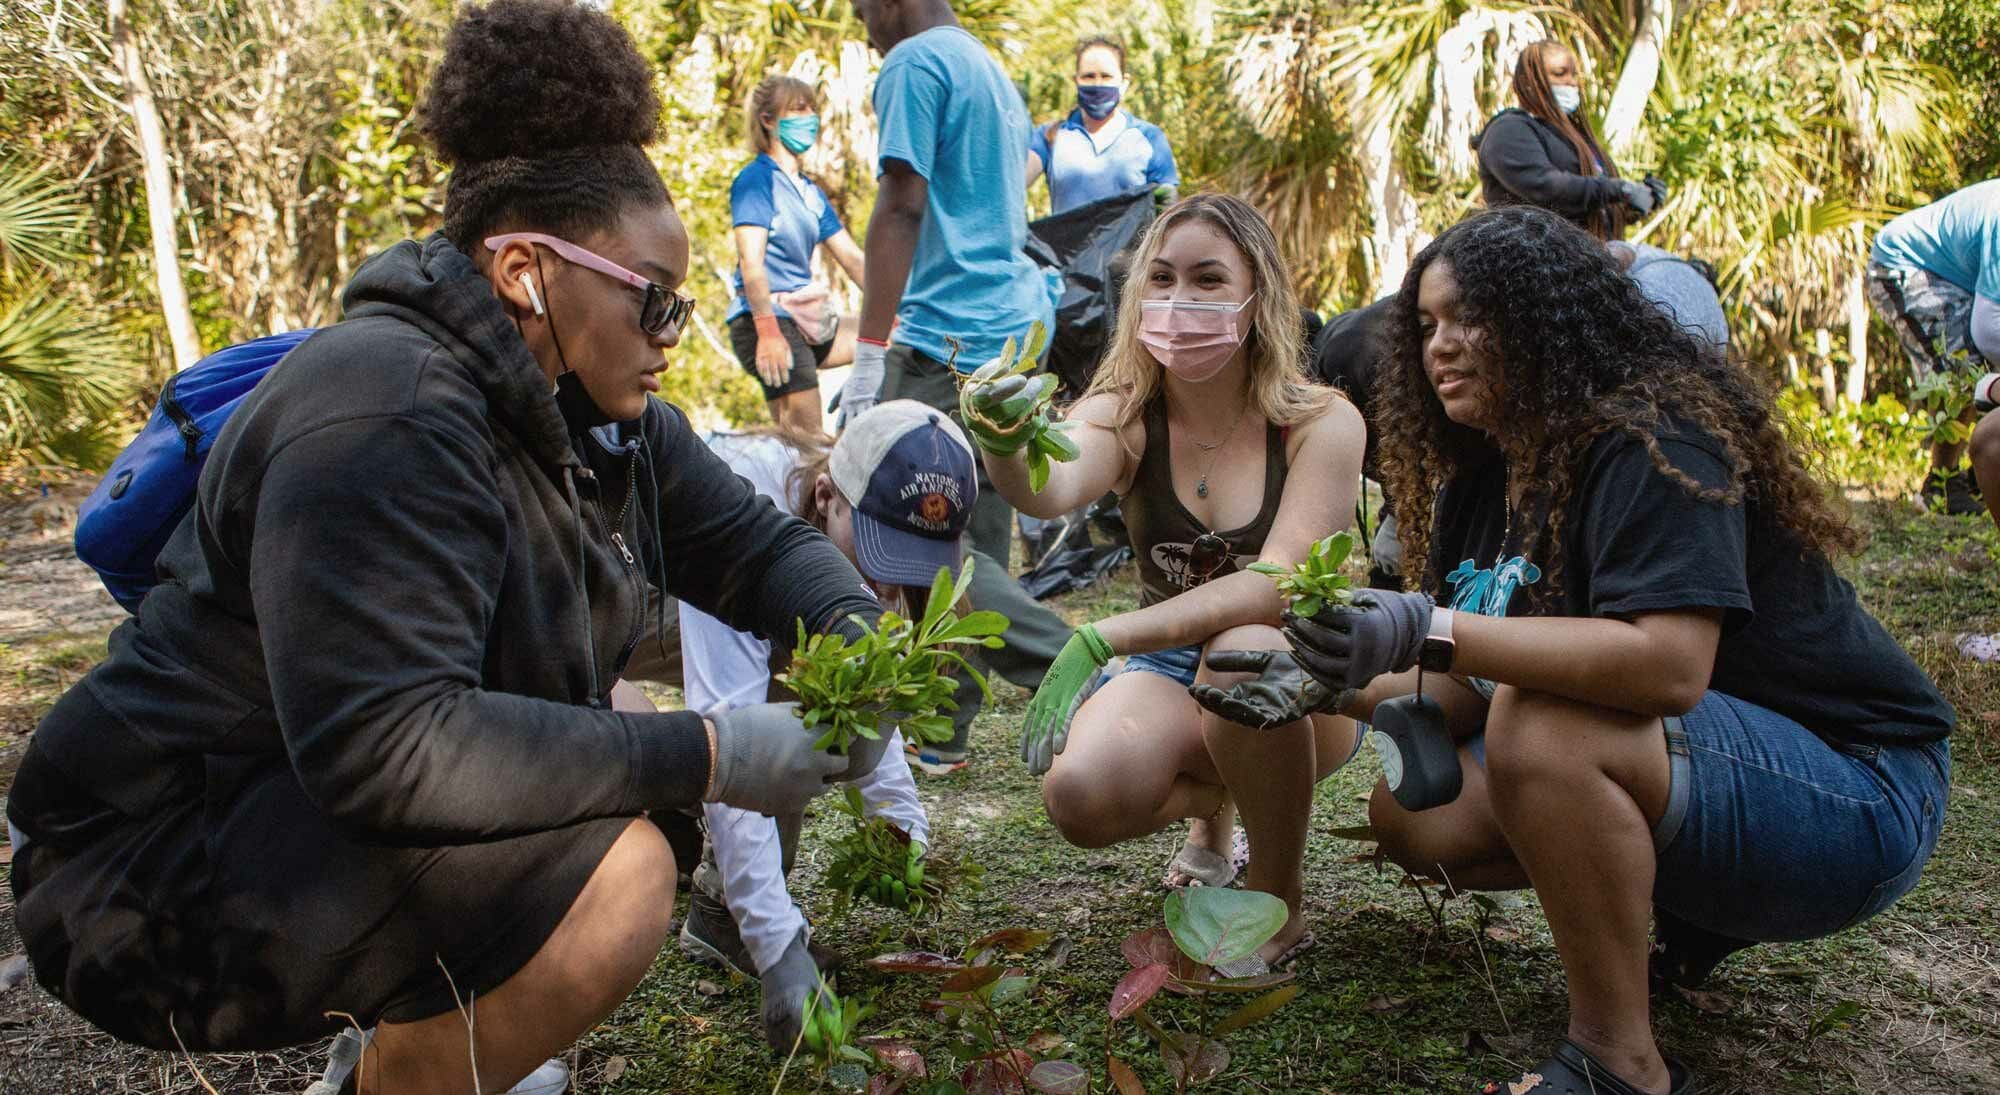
point(972, 994)
point(1048, 438)
point(1206, 927)
point(1316, 582)
point(828, 1031)
point(872, 861)
point(897, 670)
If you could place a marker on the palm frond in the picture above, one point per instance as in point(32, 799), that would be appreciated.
point(40, 219)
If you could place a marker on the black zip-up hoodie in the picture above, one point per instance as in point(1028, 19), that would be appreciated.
point(407, 578)
point(1524, 160)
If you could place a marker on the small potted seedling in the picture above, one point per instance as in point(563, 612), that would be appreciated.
point(1316, 583)
point(896, 672)
point(1041, 436)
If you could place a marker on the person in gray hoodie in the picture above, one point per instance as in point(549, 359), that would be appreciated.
point(354, 762)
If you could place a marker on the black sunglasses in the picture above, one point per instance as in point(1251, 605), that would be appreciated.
point(1206, 555)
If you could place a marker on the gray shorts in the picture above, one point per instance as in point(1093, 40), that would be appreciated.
point(1931, 317)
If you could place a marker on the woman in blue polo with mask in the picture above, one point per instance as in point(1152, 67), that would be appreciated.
point(1099, 150)
point(782, 324)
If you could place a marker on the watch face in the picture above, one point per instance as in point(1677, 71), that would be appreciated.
point(1436, 654)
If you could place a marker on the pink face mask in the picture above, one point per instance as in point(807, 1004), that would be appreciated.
point(1192, 339)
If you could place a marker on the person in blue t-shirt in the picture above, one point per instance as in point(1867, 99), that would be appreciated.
point(1934, 276)
point(947, 266)
point(1099, 150)
point(782, 323)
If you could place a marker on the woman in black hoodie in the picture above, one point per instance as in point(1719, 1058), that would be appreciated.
point(1543, 152)
point(354, 760)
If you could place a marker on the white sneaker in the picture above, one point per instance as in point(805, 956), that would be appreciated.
point(550, 1079)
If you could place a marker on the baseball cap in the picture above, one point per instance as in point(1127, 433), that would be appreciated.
point(909, 474)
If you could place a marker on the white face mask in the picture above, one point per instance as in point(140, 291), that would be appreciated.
point(1567, 97)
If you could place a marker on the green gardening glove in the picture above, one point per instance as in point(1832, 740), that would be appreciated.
point(1061, 693)
point(1000, 413)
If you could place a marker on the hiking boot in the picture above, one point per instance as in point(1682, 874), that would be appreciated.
point(345, 1053)
point(709, 936)
point(1956, 494)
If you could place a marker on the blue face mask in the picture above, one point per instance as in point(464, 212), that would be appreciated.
point(1097, 101)
point(1567, 98)
point(798, 134)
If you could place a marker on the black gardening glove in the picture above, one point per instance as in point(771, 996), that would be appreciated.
point(1280, 694)
point(1378, 632)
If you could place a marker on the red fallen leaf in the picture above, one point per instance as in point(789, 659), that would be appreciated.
point(971, 979)
point(1010, 941)
point(1123, 1078)
point(898, 1057)
point(1254, 983)
point(1045, 1042)
point(883, 1084)
point(916, 962)
point(1059, 1078)
point(1714, 1003)
point(1138, 987)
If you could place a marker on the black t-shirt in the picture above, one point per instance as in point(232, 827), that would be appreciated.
point(1794, 638)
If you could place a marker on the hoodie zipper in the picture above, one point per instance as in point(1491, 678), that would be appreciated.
point(617, 539)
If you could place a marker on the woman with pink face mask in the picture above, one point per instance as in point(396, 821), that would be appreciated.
point(1203, 422)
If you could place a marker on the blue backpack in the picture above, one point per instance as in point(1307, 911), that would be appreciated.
point(123, 525)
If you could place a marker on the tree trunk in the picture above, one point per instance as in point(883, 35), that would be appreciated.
point(1636, 79)
point(1397, 234)
point(1857, 320)
point(152, 144)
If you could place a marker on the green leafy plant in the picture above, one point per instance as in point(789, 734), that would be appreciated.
point(872, 861)
point(1048, 438)
point(896, 669)
point(830, 1025)
point(1206, 927)
point(1316, 582)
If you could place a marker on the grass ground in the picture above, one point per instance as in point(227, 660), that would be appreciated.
point(1405, 993)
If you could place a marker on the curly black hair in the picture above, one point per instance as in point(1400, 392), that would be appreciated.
point(543, 107)
point(1580, 353)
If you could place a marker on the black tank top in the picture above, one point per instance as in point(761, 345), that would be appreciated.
point(1164, 534)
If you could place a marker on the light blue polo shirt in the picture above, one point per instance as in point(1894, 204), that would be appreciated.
point(796, 214)
point(946, 109)
point(1084, 167)
point(1956, 237)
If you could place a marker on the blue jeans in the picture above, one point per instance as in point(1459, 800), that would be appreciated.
point(1772, 834)
point(1177, 663)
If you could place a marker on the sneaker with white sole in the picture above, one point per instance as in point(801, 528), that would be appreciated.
point(345, 1053)
point(936, 762)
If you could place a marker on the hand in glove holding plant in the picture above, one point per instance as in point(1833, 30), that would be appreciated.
point(766, 760)
point(1007, 411)
point(1062, 692)
point(1378, 632)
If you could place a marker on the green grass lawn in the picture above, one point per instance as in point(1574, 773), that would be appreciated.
point(1406, 992)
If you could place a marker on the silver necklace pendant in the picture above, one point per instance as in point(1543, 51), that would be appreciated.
point(1201, 488)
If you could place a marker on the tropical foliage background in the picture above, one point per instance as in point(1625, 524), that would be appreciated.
point(177, 175)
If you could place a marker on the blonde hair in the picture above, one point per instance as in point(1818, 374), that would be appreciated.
point(774, 97)
point(1274, 349)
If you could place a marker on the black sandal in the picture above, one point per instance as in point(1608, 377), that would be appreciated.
point(1573, 1071)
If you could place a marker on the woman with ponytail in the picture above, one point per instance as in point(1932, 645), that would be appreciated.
point(355, 766)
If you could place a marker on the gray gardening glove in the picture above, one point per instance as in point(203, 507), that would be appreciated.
point(1638, 195)
point(787, 983)
point(1280, 694)
point(1378, 632)
point(765, 760)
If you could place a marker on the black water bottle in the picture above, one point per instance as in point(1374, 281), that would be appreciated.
point(1419, 760)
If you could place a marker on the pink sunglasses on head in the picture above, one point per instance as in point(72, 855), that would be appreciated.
point(662, 307)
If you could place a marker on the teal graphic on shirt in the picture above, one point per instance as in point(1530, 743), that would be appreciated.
point(1487, 591)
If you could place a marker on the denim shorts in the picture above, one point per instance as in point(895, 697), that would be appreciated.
point(1177, 663)
point(1771, 834)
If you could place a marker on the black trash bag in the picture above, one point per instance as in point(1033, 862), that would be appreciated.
point(1088, 245)
point(1063, 555)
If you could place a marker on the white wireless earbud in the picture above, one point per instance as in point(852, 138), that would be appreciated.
point(534, 298)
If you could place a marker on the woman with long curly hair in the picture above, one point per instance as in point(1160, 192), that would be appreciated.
point(1668, 705)
point(1201, 419)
